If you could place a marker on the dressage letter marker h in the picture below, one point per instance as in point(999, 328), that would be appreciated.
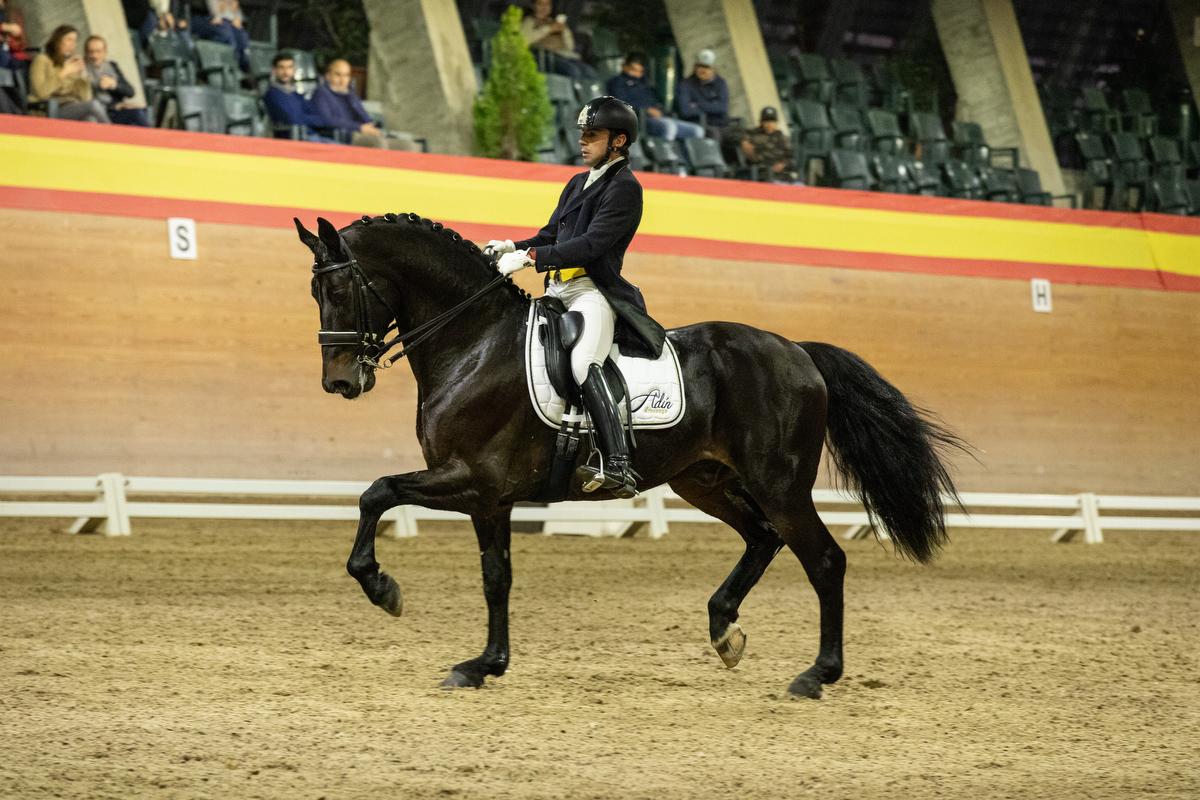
point(181, 236)
point(1040, 288)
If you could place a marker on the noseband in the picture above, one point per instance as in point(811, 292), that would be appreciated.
point(371, 347)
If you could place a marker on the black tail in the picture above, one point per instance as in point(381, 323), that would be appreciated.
point(887, 451)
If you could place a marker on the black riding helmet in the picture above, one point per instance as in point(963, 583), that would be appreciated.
point(615, 115)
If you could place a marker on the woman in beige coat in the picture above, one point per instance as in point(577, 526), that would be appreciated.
point(57, 73)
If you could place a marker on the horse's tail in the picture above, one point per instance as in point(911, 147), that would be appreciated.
point(887, 451)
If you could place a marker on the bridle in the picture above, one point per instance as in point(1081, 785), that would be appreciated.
point(371, 346)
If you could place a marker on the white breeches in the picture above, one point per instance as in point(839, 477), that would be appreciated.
point(596, 341)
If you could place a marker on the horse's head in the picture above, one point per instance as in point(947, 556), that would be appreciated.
point(352, 319)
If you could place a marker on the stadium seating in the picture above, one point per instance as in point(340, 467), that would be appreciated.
point(849, 170)
point(218, 65)
point(704, 157)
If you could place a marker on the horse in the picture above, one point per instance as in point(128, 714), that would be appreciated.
point(746, 451)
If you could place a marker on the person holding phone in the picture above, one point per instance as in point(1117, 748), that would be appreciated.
point(58, 73)
point(553, 43)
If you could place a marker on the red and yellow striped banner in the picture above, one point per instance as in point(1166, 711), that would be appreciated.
point(52, 164)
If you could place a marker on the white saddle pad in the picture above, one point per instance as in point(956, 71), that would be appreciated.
point(655, 385)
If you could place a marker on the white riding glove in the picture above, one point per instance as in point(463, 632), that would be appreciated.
point(511, 262)
point(497, 247)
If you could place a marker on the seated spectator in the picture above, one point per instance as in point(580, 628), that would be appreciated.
point(286, 106)
point(632, 87)
point(161, 20)
point(109, 85)
point(703, 96)
point(549, 34)
point(768, 148)
point(225, 24)
point(336, 102)
point(57, 73)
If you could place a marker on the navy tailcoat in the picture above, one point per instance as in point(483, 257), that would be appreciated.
point(591, 229)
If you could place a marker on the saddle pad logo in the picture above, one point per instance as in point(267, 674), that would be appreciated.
point(656, 393)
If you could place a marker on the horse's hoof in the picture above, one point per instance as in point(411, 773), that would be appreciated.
point(459, 680)
point(731, 645)
point(805, 686)
point(390, 599)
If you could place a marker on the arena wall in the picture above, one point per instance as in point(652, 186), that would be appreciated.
point(117, 357)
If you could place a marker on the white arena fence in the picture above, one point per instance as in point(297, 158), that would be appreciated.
point(110, 509)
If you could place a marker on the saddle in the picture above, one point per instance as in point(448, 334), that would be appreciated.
point(558, 335)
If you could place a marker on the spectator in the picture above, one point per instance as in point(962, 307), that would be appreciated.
point(768, 148)
point(336, 102)
point(286, 106)
point(632, 87)
point(161, 20)
point(550, 35)
point(109, 85)
point(57, 73)
point(225, 24)
point(703, 96)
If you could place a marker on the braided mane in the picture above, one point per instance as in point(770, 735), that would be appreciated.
point(474, 254)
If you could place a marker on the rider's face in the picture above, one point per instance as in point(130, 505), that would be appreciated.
point(593, 145)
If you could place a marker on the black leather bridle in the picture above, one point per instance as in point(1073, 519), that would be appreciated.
point(371, 346)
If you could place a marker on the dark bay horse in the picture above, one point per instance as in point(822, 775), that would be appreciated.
point(747, 450)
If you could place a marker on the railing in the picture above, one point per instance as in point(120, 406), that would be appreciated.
point(112, 509)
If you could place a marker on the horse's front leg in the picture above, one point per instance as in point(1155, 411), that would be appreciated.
point(494, 534)
point(446, 487)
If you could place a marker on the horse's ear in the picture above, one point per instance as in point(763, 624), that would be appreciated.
point(331, 239)
point(310, 239)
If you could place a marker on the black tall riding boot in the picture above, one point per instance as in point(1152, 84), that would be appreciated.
point(615, 474)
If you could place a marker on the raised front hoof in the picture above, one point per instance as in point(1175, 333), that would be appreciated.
point(461, 680)
point(384, 592)
point(732, 645)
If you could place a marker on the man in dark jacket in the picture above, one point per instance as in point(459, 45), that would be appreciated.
point(581, 250)
point(287, 107)
point(630, 86)
point(336, 101)
point(703, 96)
point(109, 85)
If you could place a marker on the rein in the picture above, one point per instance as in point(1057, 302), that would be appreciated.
point(372, 349)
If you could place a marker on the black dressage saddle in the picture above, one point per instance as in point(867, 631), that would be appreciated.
point(558, 336)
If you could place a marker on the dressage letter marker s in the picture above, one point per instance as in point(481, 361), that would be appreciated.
point(1040, 288)
point(181, 236)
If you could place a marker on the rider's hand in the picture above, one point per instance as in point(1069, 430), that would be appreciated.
point(511, 262)
point(496, 247)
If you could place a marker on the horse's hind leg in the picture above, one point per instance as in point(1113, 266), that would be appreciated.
point(801, 528)
point(729, 502)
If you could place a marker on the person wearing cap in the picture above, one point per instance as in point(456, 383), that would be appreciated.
point(768, 148)
point(581, 250)
point(703, 96)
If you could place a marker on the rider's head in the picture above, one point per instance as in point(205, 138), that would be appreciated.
point(607, 126)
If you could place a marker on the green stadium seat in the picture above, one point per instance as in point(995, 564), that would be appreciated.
point(1029, 184)
point(243, 114)
point(812, 135)
point(218, 65)
point(1097, 116)
point(172, 58)
point(961, 180)
point(1139, 113)
point(999, 185)
point(926, 179)
point(1098, 168)
point(663, 156)
point(891, 173)
point(704, 157)
point(260, 55)
point(972, 148)
point(850, 84)
point(884, 128)
point(929, 133)
point(814, 81)
point(848, 130)
point(1170, 195)
point(848, 169)
point(1130, 162)
point(1165, 158)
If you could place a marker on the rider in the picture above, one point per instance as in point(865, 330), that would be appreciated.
point(581, 249)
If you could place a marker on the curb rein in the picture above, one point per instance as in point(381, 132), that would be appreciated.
point(372, 347)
